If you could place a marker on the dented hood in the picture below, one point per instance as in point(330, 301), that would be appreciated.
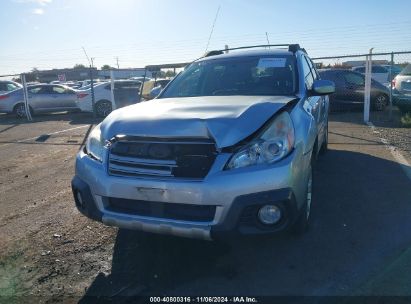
point(224, 119)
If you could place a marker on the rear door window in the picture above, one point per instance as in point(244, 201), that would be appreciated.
point(360, 70)
point(58, 90)
point(354, 79)
point(378, 69)
point(35, 90)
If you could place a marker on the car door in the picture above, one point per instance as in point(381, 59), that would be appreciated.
point(312, 104)
point(60, 99)
point(321, 104)
point(354, 86)
point(380, 74)
point(71, 97)
point(39, 97)
point(309, 77)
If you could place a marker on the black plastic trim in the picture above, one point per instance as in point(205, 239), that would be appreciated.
point(232, 224)
point(88, 206)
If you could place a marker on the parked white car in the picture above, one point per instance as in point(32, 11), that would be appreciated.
point(378, 72)
point(126, 92)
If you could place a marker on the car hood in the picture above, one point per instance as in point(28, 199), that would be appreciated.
point(224, 119)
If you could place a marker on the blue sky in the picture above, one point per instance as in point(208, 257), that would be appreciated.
point(50, 33)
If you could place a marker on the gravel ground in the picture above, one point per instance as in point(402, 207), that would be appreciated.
point(49, 252)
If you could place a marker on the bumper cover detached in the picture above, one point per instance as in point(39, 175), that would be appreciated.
point(186, 220)
point(84, 199)
point(242, 218)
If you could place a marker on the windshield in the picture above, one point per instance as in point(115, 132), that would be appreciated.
point(253, 75)
point(406, 71)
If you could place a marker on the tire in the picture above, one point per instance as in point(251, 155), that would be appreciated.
point(380, 102)
point(20, 110)
point(324, 145)
point(301, 224)
point(103, 108)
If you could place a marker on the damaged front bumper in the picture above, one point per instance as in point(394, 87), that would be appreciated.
point(223, 203)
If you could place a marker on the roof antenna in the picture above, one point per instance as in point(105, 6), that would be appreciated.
point(212, 28)
point(268, 40)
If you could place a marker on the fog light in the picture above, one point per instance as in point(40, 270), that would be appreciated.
point(269, 214)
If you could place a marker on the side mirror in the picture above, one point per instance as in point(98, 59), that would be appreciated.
point(155, 92)
point(323, 87)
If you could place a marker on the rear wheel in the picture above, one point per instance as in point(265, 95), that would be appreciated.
point(20, 110)
point(103, 108)
point(381, 101)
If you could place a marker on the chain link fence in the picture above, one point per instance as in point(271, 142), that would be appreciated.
point(101, 91)
point(390, 85)
point(14, 95)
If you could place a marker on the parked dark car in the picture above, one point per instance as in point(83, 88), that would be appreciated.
point(349, 90)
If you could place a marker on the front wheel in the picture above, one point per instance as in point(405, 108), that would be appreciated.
point(20, 110)
point(324, 146)
point(301, 225)
point(103, 108)
point(381, 101)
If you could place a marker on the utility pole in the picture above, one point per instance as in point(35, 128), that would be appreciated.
point(91, 62)
point(118, 66)
point(268, 40)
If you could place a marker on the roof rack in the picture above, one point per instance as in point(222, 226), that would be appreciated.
point(291, 48)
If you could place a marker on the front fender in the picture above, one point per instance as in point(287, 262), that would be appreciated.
point(305, 127)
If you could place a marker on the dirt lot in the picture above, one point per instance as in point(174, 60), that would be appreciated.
point(48, 250)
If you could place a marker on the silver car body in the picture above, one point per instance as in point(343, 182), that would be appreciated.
point(42, 98)
point(7, 86)
point(403, 81)
point(226, 121)
point(102, 92)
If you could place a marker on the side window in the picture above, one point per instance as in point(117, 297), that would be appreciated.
point(35, 90)
point(378, 69)
point(354, 79)
point(3, 87)
point(360, 70)
point(308, 77)
point(58, 90)
point(11, 87)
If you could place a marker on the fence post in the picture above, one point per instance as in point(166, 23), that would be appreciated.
point(113, 102)
point(93, 102)
point(26, 97)
point(367, 88)
point(142, 85)
point(390, 84)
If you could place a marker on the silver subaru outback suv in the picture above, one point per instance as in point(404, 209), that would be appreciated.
point(226, 148)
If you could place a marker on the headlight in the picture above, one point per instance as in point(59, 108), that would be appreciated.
point(273, 144)
point(95, 144)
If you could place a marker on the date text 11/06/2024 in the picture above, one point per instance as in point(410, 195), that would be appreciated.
point(203, 300)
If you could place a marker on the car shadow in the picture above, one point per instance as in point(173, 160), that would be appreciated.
point(360, 220)
point(378, 118)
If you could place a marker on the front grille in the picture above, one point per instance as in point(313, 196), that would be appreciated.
point(161, 158)
point(184, 212)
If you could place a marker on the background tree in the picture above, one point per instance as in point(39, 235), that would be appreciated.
point(170, 73)
point(79, 66)
point(106, 67)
